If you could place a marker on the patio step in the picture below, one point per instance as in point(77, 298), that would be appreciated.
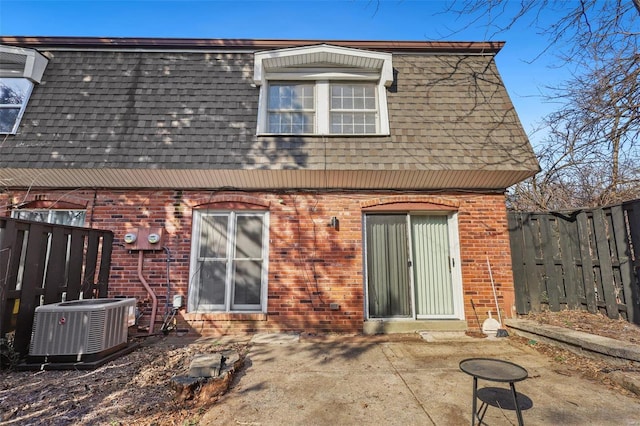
point(388, 327)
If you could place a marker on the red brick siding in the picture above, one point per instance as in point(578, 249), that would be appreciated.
point(311, 265)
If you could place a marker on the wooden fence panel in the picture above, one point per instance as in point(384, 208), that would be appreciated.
point(39, 262)
point(583, 260)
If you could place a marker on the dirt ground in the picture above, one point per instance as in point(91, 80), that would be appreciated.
point(134, 389)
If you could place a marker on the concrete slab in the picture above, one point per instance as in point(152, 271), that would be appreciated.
point(275, 338)
point(411, 382)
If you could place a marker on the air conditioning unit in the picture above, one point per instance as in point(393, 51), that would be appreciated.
point(80, 330)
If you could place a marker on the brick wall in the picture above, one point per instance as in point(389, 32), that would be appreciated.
point(311, 264)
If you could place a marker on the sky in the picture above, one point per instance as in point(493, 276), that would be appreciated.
point(526, 66)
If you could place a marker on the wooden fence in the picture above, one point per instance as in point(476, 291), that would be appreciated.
point(41, 263)
point(581, 260)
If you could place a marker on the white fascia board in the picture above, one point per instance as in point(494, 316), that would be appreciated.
point(34, 63)
point(340, 56)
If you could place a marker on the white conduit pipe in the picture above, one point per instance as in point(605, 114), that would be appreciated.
point(154, 299)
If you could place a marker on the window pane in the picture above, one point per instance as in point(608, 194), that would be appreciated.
point(212, 282)
point(14, 91)
point(353, 122)
point(8, 117)
point(248, 278)
point(291, 97)
point(249, 237)
point(213, 237)
point(67, 217)
point(290, 122)
point(36, 216)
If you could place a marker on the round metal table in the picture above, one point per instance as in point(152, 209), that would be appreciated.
point(494, 370)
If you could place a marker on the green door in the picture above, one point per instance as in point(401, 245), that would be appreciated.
point(409, 267)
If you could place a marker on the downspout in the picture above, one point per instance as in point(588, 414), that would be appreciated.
point(154, 299)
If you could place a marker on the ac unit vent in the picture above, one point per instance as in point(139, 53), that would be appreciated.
point(80, 329)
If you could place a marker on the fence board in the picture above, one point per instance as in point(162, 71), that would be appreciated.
point(530, 267)
point(105, 264)
point(55, 266)
point(551, 278)
point(606, 266)
point(568, 245)
point(623, 256)
point(519, 275)
point(587, 262)
point(32, 281)
point(74, 282)
point(91, 262)
point(632, 211)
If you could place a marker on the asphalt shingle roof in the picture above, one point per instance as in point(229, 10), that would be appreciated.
point(123, 109)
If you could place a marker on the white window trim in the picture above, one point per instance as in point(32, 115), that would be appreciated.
point(193, 302)
point(342, 64)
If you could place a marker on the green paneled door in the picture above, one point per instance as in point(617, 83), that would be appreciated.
point(408, 266)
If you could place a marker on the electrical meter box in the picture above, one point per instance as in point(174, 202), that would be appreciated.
point(144, 239)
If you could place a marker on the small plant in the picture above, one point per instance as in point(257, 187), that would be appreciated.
point(544, 297)
point(8, 356)
point(532, 342)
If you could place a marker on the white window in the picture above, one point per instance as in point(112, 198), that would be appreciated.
point(14, 95)
point(55, 216)
point(229, 262)
point(303, 108)
point(323, 90)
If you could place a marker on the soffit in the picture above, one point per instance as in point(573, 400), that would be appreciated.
point(322, 55)
point(262, 179)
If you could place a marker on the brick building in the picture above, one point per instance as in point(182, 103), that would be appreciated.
point(294, 185)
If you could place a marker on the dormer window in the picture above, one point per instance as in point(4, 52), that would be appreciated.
point(323, 90)
point(19, 70)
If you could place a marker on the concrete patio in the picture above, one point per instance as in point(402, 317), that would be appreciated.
point(404, 380)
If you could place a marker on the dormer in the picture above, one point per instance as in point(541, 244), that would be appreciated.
point(323, 90)
point(20, 69)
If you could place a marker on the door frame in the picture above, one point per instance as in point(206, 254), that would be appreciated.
point(454, 259)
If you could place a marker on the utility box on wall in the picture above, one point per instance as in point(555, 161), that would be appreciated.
point(144, 239)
